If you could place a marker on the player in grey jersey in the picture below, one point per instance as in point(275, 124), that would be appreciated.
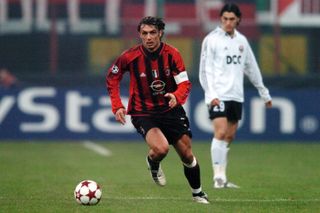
point(225, 57)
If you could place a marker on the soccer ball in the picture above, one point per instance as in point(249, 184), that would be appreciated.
point(87, 192)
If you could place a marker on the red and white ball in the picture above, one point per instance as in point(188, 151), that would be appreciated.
point(87, 192)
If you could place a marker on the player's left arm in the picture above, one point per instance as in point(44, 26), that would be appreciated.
point(253, 72)
point(182, 80)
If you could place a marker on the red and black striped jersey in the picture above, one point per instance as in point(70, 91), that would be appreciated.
point(152, 75)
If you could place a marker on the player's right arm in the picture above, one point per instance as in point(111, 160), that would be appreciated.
point(113, 79)
point(215, 102)
point(120, 115)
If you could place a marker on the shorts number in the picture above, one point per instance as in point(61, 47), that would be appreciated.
point(219, 108)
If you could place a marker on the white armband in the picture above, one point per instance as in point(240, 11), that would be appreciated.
point(181, 77)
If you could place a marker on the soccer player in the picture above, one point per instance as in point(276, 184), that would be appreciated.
point(159, 85)
point(225, 57)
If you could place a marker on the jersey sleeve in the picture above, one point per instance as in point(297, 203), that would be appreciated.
point(206, 72)
point(254, 74)
point(113, 78)
point(181, 79)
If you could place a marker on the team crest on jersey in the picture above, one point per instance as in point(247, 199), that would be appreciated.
point(241, 48)
point(167, 72)
point(155, 73)
point(114, 69)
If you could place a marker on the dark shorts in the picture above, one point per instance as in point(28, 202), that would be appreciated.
point(230, 109)
point(173, 124)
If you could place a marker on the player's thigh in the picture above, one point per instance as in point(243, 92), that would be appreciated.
point(175, 124)
point(220, 127)
point(148, 128)
point(157, 141)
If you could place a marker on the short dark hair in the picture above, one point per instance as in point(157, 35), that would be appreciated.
point(232, 8)
point(150, 20)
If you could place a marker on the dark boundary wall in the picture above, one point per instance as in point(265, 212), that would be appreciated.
point(30, 55)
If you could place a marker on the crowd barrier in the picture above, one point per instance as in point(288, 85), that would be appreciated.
point(77, 113)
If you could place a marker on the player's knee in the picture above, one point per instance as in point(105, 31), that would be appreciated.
point(221, 135)
point(230, 138)
point(187, 159)
point(161, 151)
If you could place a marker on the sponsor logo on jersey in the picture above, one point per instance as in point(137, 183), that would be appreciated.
point(158, 87)
point(235, 59)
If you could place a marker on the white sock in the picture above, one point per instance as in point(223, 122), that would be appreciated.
point(219, 153)
point(218, 148)
point(192, 164)
point(196, 191)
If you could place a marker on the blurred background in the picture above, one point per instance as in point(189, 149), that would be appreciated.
point(54, 55)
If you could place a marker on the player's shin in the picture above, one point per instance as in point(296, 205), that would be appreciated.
point(219, 151)
point(192, 173)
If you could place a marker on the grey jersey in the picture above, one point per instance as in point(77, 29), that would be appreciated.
point(223, 63)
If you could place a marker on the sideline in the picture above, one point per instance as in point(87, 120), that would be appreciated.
point(101, 150)
point(218, 200)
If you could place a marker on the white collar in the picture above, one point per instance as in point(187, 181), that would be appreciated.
point(220, 30)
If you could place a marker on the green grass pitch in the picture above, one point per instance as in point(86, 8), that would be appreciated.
point(41, 177)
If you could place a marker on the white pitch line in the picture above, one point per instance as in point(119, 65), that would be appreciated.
point(97, 148)
point(217, 200)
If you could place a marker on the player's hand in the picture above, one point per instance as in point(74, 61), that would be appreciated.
point(268, 104)
point(173, 100)
point(121, 115)
point(215, 102)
